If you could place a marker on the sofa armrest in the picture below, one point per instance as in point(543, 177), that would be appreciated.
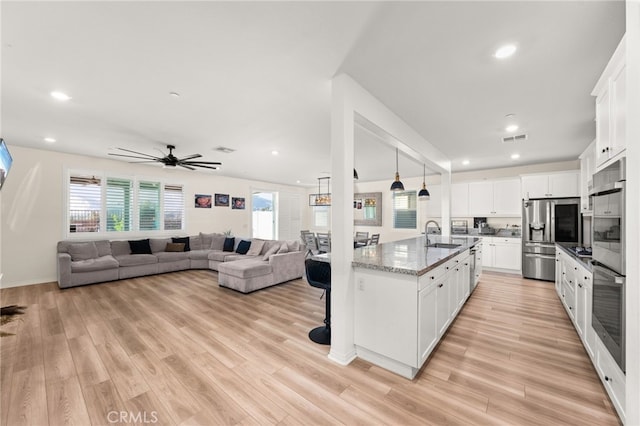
point(287, 266)
point(64, 270)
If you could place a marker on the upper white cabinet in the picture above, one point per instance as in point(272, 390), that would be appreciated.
point(495, 198)
point(460, 200)
point(587, 168)
point(611, 108)
point(551, 185)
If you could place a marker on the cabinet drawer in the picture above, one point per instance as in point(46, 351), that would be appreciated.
point(431, 277)
point(612, 377)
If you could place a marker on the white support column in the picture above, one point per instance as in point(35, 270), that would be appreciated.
point(342, 289)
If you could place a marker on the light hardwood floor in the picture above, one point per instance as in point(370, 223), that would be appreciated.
point(177, 349)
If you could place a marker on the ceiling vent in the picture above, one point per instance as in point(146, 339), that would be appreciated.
point(224, 149)
point(515, 138)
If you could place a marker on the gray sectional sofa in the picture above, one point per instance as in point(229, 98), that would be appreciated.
point(266, 263)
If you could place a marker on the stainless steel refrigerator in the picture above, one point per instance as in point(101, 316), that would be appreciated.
point(544, 223)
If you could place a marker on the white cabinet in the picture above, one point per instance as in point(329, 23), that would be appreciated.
point(460, 200)
point(612, 377)
point(427, 325)
point(551, 185)
point(502, 253)
point(611, 108)
point(499, 198)
point(433, 206)
point(587, 168)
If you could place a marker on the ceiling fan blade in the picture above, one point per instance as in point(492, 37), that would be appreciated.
point(132, 156)
point(202, 162)
point(191, 157)
point(205, 167)
point(136, 152)
point(185, 166)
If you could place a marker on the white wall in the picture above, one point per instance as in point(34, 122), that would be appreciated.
point(33, 207)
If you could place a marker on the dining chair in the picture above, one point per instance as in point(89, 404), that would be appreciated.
point(375, 239)
point(324, 242)
point(310, 243)
point(361, 239)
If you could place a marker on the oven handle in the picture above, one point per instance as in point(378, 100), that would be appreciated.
point(541, 256)
point(618, 279)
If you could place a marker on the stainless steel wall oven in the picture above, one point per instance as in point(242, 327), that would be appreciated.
point(609, 269)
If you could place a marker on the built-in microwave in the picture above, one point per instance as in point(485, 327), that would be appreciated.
point(608, 222)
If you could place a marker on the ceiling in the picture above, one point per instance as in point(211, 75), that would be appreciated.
point(256, 77)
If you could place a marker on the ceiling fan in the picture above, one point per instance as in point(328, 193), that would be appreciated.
point(170, 160)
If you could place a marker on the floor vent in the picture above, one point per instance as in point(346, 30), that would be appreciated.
point(516, 138)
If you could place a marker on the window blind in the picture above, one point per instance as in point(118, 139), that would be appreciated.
point(404, 210)
point(149, 206)
point(119, 204)
point(173, 207)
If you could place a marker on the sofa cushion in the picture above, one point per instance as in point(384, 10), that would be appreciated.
point(141, 246)
point(174, 247)
point(232, 257)
point(199, 254)
point(217, 242)
point(157, 245)
point(91, 265)
point(183, 240)
point(218, 255)
point(120, 248)
point(248, 268)
point(195, 243)
point(256, 247)
point(104, 247)
point(136, 259)
point(207, 240)
point(229, 242)
point(293, 245)
point(273, 250)
point(284, 248)
point(83, 251)
point(243, 247)
point(164, 256)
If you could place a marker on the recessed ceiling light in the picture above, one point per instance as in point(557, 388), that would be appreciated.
point(274, 152)
point(49, 140)
point(174, 94)
point(511, 128)
point(465, 162)
point(515, 156)
point(298, 181)
point(60, 96)
point(505, 51)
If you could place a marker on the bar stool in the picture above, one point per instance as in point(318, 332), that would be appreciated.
point(319, 275)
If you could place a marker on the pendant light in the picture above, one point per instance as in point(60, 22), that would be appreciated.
point(424, 193)
point(397, 185)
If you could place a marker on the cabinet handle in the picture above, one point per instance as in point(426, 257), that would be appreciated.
point(575, 268)
point(603, 150)
point(440, 285)
point(607, 379)
point(570, 308)
point(447, 268)
point(433, 278)
point(585, 278)
point(580, 285)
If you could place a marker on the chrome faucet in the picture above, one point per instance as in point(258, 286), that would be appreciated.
point(426, 230)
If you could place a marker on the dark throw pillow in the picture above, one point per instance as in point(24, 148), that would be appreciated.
point(140, 247)
point(183, 240)
point(229, 242)
point(174, 247)
point(243, 247)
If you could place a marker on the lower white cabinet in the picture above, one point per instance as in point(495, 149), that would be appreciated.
point(389, 331)
point(574, 285)
point(502, 253)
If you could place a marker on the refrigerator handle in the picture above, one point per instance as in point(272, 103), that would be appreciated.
point(551, 220)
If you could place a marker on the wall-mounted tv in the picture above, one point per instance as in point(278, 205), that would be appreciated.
point(5, 162)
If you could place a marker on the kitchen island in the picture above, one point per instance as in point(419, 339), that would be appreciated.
point(407, 294)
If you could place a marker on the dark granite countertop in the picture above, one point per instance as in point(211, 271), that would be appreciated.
point(410, 256)
point(584, 261)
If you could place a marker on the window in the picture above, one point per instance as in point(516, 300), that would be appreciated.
point(321, 217)
point(404, 210)
point(111, 204)
point(85, 204)
point(173, 207)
